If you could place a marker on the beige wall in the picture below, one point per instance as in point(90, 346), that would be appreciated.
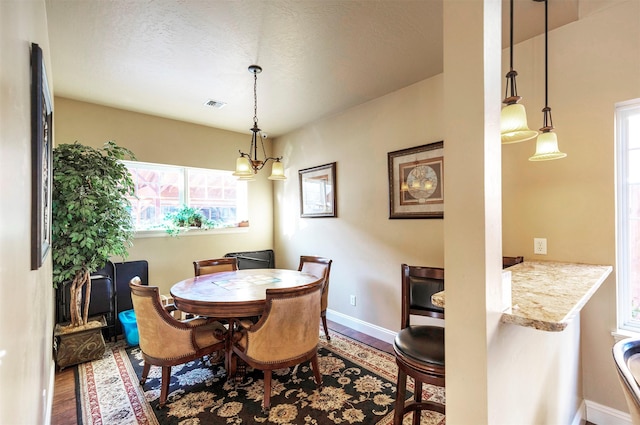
point(367, 247)
point(541, 376)
point(161, 140)
point(27, 313)
point(593, 63)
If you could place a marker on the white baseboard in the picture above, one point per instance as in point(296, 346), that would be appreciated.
point(48, 394)
point(580, 415)
point(361, 326)
point(602, 415)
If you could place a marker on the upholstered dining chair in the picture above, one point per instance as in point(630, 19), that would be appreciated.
point(166, 341)
point(626, 354)
point(286, 334)
point(319, 267)
point(215, 265)
point(419, 349)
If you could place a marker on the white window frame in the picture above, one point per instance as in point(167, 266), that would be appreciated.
point(623, 110)
point(242, 200)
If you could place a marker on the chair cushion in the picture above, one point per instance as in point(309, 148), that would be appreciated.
point(424, 344)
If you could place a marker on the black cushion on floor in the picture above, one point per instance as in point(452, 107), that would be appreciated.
point(423, 343)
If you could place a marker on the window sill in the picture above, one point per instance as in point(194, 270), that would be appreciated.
point(143, 234)
point(620, 334)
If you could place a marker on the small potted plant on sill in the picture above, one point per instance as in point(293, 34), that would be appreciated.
point(91, 222)
point(187, 218)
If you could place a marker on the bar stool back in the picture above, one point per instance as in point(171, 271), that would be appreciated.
point(419, 350)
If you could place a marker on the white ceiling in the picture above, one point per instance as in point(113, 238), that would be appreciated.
point(319, 57)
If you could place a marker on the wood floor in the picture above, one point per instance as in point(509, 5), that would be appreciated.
point(64, 393)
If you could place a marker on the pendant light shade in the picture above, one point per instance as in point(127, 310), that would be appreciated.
point(547, 147)
point(547, 142)
point(513, 117)
point(513, 124)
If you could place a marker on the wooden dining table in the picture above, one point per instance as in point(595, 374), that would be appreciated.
point(233, 295)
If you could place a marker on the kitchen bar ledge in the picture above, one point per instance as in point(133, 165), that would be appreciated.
point(547, 295)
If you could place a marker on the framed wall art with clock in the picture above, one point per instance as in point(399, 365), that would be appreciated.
point(416, 182)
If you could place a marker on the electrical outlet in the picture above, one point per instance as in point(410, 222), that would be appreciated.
point(540, 246)
point(352, 300)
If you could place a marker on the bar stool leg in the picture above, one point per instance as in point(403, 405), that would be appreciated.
point(401, 391)
point(417, 396)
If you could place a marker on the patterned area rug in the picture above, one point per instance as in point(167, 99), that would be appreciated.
point(358, 388)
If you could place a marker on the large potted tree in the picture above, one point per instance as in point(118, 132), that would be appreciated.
point(91, 222)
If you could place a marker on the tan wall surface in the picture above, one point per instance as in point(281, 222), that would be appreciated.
point(367, 247)
point(155, 139)
point(593, 63)
point(27, 313)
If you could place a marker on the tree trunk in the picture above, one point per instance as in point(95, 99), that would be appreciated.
point(75, 304)
point(87, 297)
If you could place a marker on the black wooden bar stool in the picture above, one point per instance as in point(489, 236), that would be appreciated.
point(419, 350)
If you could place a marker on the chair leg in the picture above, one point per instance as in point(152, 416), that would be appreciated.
point(401, 391)
point(267, 389)
point(323, 315)
point(145, 373)
point(164, 385)
point(316, 370)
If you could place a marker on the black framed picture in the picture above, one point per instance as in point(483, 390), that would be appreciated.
point(416, 187)
point(41, 163)
point(318, 191)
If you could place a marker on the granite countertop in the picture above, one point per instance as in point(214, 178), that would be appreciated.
point(548, 295)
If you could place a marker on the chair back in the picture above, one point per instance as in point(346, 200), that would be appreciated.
point(155, 325)
point(626, 354)
point(288, 328)
point(215, 265)
point(321, 268)
point(418, 285)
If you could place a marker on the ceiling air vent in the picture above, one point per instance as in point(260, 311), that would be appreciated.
point(215, 104)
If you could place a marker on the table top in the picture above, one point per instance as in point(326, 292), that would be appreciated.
point(548, 295)
point(233, 294)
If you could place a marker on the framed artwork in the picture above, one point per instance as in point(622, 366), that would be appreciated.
point(416, 182)
point(318, 191)
point(41, 166)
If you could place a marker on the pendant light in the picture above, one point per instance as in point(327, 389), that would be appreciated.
point(513, 117)
point(247, 165)
point(547, 143)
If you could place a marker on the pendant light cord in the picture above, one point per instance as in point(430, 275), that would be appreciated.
point(510, 89)
point(547, 123)
point(511, 37)
point(546, 55)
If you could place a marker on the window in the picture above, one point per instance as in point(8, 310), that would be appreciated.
point(162, 189)
point(628, 213)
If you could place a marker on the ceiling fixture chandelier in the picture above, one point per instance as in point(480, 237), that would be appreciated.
point(247, 165)
point(547, 143)
point(513, 117)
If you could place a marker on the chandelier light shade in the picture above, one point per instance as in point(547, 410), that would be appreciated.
point(547, 142)
point(248, 164)
point(513, 117)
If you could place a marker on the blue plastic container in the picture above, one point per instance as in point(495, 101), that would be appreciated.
point(129, 326)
